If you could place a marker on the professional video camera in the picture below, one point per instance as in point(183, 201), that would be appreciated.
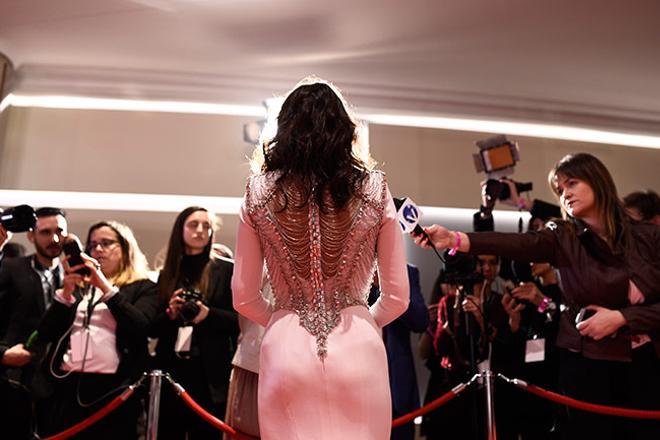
point(497, 157)
point(190, 309)
point(20, 218)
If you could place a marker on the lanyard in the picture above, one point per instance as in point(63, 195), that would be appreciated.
point(91, 304)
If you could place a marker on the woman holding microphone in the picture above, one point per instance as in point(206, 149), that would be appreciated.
point(610, 275)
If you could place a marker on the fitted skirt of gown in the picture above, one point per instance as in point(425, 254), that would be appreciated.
point(345, 396)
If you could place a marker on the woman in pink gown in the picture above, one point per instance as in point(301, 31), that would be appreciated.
point(323, 222)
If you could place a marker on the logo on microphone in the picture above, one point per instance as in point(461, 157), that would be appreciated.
point(408, 215)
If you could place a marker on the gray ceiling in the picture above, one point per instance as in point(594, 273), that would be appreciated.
point(583, 62)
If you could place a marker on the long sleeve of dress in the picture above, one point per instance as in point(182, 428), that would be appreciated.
point(248, 267)
point(392, 272)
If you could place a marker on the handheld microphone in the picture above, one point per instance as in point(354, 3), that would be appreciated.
point(409, 216)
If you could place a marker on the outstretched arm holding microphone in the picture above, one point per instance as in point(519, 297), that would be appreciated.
point(608, 265)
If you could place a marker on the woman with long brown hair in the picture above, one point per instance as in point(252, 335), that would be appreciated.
point(198, 327)
point(322, 221)
point(610, 276)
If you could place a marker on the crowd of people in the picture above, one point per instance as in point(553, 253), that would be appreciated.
point(307, 332)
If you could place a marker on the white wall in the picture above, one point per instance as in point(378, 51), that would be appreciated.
point(171, 153)
point(167, 153)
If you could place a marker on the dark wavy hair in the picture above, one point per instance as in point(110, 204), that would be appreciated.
point(314, 145)
point(610, 208)
point(646, 202)
point(169, 275)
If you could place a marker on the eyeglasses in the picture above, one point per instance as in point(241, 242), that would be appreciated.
point(105, 244)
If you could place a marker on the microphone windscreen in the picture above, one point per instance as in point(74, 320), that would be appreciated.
point(408, 215)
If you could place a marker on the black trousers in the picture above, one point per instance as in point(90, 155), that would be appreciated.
point(16, 413)
point(62, 409)
point(644, 386)
point(624, 384)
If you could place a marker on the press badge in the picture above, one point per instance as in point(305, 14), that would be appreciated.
point(184, 339)
point(535, 350)
point(81, 345)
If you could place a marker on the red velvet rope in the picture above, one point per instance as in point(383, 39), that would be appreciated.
point(592, 407)
point(111, 406)
point(210, 418)
point(407, 418)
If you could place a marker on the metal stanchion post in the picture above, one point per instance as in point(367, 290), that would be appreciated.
point(156, 377)
point(490, 404)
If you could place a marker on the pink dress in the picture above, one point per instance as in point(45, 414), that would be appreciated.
point(323, 368)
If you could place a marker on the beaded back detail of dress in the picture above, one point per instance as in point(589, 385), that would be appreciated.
point(319, 261)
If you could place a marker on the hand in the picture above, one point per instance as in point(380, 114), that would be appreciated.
point(514, 196)
point(440, 237)
point(486, 201)
point(5, 236)
point(16, 356)
point(472, 304)
point(96, 277)
point(203, 313)
point(528, 292)
point(604, 323)
point(70, 281)
point(513, 309)
point(174, 306)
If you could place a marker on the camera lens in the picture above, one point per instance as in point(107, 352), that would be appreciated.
point(189, 310)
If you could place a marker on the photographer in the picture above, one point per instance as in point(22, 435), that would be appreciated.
point(533, 307)
point(197, 332)
point(610, 278)
point(26, 290)
point(451, 349)
point(97, 327)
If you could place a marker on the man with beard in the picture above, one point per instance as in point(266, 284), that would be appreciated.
point(27, 285)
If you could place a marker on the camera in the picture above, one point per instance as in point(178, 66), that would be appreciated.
point(498, 190)
point(497, 157)
point(190, 309)
point(20, 218)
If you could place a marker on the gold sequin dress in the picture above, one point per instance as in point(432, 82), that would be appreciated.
point(323, 368)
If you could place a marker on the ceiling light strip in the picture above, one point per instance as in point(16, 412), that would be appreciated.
point(119, 201)
point(519, 128)
point(548, 131)
point(88, 103)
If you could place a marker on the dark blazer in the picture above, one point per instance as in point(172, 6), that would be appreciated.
point(214, 337)
point(134, 308)
point(21, 301)
point(591, 273)
point(396, 335)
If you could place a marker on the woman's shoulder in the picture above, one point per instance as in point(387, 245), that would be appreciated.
point(374, 185)
point(138, 286)
point(645, 232)
point(260, 187)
